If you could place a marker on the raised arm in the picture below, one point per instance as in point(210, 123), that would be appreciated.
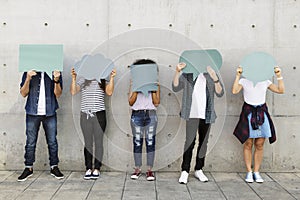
point(218, 86)
point(279, 88)
point(24, 90)
point(109, 89)
point(74, 88)
point(156, 96)
point(132, 96)
point(57, 86)
point(176, 82)
point(236, 88)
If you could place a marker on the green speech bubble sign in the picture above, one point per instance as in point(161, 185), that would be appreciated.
point(41, 57)
point(258, 66)
point(197, 60)
point(144, 78)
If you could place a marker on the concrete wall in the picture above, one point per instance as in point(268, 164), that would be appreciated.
point(234, 27)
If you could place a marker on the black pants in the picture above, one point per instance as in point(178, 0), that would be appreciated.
point(191, 129)
point(93, 129)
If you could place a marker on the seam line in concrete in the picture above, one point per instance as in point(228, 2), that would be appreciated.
point(250, 186)
point(281, 185)
point(65, 179)
point(218, 186)
point(125, 179)
point(88, 194)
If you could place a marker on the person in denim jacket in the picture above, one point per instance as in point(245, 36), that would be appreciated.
point(41, 105)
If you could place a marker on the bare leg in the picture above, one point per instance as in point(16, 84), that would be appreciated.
point(248, 153)
point(258, 153)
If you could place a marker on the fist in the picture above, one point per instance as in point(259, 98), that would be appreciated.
point(180, 66)
point(239, 71)
point(73, 73)
point(277, 71)
point(31, 73)
point(56, 75)
point(113, 73)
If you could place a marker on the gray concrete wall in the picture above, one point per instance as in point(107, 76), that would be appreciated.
point(234, 27)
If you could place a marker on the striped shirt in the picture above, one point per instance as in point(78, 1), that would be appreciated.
point(92, 96)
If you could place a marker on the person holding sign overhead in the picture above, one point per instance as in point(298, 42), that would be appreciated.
point(41, 105)
point(198, 111)
point(255, 123)
point(144, 97)
point(92, 118)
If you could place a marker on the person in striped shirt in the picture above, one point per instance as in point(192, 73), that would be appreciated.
point(92, 118)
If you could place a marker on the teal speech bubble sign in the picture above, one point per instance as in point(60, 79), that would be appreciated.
point(197, 60)
point(258, 66)
point(41, 57)
point(94, 67)
point(144, 78)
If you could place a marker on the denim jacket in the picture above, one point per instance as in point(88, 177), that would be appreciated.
point(33, 95)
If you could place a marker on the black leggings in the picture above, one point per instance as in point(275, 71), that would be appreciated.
point(93, 130)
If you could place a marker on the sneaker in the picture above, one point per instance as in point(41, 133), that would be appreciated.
point(95, 174)
point(201, 176)
point(88, 174)
point(183, 177)
point(257, 177)
point(249, 177)
point(136, 174)
point(26, 174)
point(56, 173)
point(150, 175)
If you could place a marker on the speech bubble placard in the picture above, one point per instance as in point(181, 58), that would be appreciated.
point(41, 57)
point(258, 66)
point(94, 67)
point(144, 78)
point(197, 60)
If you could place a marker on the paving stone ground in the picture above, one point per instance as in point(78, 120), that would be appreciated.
point(118, 185)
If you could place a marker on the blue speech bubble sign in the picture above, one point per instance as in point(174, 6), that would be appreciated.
point(197, 60)
point(144, 78)
point(258, 66)
point(41, 57)
point(94, 67)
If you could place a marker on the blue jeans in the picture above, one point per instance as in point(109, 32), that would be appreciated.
point(32, 129)
point(143, 122)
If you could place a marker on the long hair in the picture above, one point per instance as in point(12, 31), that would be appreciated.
point(102, 84)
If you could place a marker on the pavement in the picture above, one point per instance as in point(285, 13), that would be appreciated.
point(118, 185)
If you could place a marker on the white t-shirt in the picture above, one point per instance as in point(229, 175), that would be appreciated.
point(254, 95)
point(42, 97)
point(198, 106)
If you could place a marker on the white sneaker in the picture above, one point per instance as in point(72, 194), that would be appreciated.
point(257, 177)
point(88, 174)
point(201, 176)
point(95, 174)
point(249, 177)
point(183, 177)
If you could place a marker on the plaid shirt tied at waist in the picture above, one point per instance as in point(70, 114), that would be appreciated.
point(241, 130)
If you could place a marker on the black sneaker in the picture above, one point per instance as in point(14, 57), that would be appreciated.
point(56, 173)
point(26, 173)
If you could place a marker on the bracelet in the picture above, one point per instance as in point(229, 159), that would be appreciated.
point(217, 81)
point(280, 78)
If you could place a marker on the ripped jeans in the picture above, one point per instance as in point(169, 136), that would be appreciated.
point(143, 122)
